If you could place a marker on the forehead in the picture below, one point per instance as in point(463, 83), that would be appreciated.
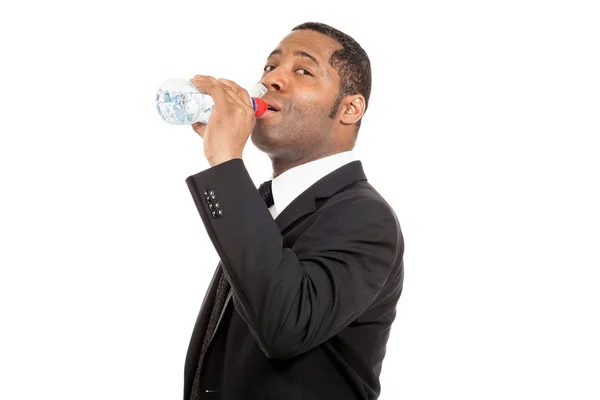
point(317, 44)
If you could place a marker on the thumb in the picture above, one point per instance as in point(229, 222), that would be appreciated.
point(199, 128)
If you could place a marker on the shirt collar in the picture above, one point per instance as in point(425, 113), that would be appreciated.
point(290, 184)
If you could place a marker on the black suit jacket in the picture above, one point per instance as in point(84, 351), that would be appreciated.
point(314, 292)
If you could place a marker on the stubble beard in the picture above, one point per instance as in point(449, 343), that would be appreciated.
point(293, 139)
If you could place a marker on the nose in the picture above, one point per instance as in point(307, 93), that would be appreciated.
point(276, 80)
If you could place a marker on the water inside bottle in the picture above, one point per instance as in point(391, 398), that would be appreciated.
point(182, 107)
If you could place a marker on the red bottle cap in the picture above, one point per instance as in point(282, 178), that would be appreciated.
point(261, 107)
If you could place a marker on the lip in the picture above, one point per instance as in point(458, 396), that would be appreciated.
point(273, 105)
point(267, 114)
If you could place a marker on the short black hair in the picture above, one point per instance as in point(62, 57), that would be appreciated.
point(351, 61)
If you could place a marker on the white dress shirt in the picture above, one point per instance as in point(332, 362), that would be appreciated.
point(290, 184)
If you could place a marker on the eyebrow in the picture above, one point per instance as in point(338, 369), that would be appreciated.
point(298, 53)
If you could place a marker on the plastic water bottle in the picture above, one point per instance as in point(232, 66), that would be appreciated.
point(180, 103)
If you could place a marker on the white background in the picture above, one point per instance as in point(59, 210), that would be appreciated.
point(481, 132)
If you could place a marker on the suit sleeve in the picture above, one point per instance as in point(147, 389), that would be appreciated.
point(295, 299)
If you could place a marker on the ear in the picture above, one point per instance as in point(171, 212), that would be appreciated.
point(352, 109)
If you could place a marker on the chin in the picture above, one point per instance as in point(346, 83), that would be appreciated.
point(262, 140)
point(266, 139)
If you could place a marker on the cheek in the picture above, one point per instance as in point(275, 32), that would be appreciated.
point(312, 103)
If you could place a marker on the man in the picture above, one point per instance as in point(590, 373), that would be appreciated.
point(302, 302)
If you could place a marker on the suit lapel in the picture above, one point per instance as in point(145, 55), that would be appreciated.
point(325, 187)
point(298, 208)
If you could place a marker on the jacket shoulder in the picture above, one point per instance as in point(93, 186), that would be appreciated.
point(357, 196)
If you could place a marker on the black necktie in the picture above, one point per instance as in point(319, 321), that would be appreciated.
point(266, 193)
point(222, 292)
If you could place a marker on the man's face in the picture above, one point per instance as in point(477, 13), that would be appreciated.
point(303, 87)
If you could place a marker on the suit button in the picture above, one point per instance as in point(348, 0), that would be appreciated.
point(213, 206)
point(218, 213)
point(211, 198)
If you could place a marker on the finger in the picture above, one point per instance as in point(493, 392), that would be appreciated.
point(199, 128)
point(220, 93)
point(241, 92)
point(204, 78)
point(202, 81)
